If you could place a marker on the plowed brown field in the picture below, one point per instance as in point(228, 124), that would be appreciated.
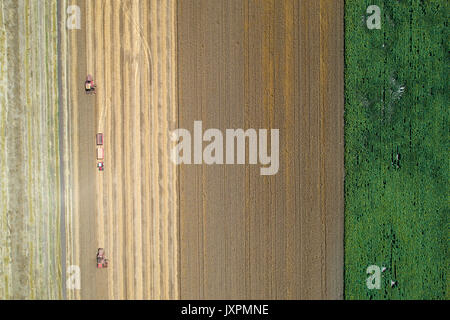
point(263, 64)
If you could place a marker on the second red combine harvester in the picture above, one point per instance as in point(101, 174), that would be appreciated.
point(100, 151)
point(89, 85)
point(102, 262)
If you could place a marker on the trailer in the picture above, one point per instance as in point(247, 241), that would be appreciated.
point(100, 153)
point(99, 139)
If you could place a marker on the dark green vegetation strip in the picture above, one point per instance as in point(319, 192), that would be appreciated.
point(396, 151)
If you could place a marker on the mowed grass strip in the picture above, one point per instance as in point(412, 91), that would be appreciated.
point(396, 149)
point(30, 263)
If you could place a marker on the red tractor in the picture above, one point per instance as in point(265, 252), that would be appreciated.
point(102, 262)
point(100, 166)
point(89, 85)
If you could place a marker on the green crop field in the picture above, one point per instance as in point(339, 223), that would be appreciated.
point(396, 149)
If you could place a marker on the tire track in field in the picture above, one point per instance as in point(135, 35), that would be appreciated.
point(97, 48)
point(145, 146)
point(155, 154)
point(110, 217)
point(136, 134)
point(127, 161)
point(119, 263)
point(73, 228)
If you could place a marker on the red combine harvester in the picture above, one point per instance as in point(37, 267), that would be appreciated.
point(89, 85)
point(102, 262)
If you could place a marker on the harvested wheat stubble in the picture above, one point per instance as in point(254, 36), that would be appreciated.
point(130, 208)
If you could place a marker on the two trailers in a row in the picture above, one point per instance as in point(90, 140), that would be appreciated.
point(100, 151)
